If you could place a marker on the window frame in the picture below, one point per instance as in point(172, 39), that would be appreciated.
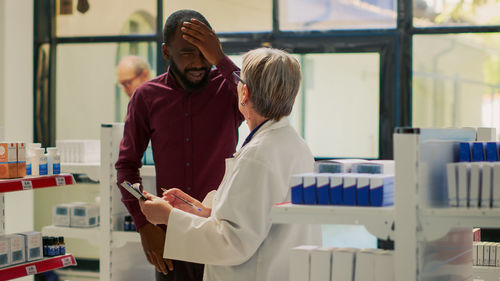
point(393, 45)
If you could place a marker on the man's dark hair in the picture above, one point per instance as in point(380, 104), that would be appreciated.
point(176, 19)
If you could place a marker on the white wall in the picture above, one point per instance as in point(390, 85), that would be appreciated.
point(16, 96)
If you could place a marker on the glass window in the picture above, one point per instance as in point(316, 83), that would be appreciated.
point(87, 94)
point(456, 80)
point(455, 12)
point(111, 17)
point(228, 16)
point(341, 96)
point(337, 14)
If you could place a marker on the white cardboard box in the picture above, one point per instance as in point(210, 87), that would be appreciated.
point(343, 264)
point(34, 247)
point(300, 263)
point(321, 264)
point(384, 266)
point(486, 185)
point(452, 178)
point(463, 184)
point(85, 215)
point(475, 184)
point(5, 258)
point(17, 248)
point(365, 265)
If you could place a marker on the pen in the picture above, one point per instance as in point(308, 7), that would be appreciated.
point(183, 200)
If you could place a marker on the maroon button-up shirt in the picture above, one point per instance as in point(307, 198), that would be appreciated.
point(191, 134)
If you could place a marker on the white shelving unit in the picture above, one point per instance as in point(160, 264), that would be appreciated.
point(432, 241)
point(92, 170)
point(90, 234)
point(45, 264)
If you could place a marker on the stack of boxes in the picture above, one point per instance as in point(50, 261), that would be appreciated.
point(313, 263)
point(486, 254)
point(474, 181)
point(20, 247)
point(12, 160)
point(349, 182)
point(76, 214)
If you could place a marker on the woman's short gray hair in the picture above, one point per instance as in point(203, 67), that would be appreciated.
point(273, 78)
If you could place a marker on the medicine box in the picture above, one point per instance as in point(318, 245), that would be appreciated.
point(323, 188)
point(300, 263)
point(478, 152)
point(452, 183)
point(33, 242)
point(336, 166)
point(385, 167)
point(384, 266)
point(381, 190)
point(365, 265)
point(17, 248)
point(486, 184)
point(343, 261)
point(363, 190)
point(321, 263)
point(21, 159)
point(297, 189)
point(349, 191)
point(310, 196)
point(8, 160)
point(475, 184)
point(496, 185)
point(336, 189)
point(84, 215)
point(464, 152)
point(62, 215)
point(463, 184)
point(492, 151)
point(5, 258)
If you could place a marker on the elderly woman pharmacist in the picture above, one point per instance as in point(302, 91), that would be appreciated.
point(232, 234)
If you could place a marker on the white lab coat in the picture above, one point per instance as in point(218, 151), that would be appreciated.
point(238, 241)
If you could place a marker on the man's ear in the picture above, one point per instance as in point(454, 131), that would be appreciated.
point(164, 51)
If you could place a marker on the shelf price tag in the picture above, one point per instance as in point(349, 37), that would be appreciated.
point(31, 270)
point(60, 181)
point(27, 185)
point(67, 261)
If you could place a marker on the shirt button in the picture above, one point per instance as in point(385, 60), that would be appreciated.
point(187, 139)
point(188, 189)
point(187, 164)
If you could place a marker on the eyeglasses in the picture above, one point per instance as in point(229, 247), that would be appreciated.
point(237, 77)
point(128, 82)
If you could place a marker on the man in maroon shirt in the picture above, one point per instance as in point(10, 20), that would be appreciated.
point(191, 116)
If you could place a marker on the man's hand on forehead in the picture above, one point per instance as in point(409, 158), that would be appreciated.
point(204, 38)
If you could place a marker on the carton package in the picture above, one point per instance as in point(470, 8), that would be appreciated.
point(385, 167)
point(463, 184)
point(8, 160)
point(321, 264)
point(323, 188)
point(296, 189)
point(21, 159)
point(300, 263)
point(363, 190)
point(17, 248)
point(475, 184)
point(384, 266)
point(62, 215)
point(84, 215)
point(336, 189)
point(349, 191)
point(486, 185)
point(365, 265)
point(310, 196)
point(344, 260)
point(452, 182)
point(5, 258)
point(34, 247)
point(381, 190)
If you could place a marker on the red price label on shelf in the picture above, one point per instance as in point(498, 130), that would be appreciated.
point(27, 185)
point(67, 261)
point(31, 270)
point(60, 181)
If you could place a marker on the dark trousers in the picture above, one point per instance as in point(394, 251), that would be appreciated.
point(183, 271)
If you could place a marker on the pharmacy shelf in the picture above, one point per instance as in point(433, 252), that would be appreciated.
point(35, 267)
point(485, 273)
point(28, 183)
point(377, 220)
point(92, 170)
point(120, 238)
point(148, 171)
point(90, 234)
point(437, 221)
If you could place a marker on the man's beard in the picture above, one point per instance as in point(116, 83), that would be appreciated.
point(182, 76)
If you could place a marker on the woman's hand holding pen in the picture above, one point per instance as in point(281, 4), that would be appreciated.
point(182, 201)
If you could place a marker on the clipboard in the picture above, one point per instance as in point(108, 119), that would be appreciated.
point(134, 190)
